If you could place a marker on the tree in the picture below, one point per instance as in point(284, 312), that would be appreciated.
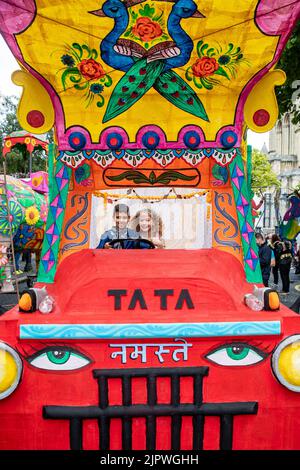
point(262, 176)
point(290, 90)
point(17, 161)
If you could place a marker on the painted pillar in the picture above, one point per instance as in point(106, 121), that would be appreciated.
point(59, 178)
point(242, 199)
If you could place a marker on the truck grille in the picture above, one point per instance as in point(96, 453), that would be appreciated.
point(126, 411)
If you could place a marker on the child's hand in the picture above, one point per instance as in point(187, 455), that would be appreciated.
point(107, 246)
point(157, 242)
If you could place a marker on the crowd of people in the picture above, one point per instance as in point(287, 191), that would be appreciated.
point(276, 257)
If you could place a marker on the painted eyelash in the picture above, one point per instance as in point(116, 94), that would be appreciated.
point(264, 350)
point(267, 348)
point(255, 344)
point(29, 351)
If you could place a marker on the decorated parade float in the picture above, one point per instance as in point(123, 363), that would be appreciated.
point(155, 348)
point(23, 210)
point(23, 214)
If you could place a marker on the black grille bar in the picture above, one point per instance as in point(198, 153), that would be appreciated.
point(103, 421)
point(76, 432)
point(151, 409)
point(150, 420)
point(198, 420)
point(176, 419)
point(138, 411)
point(126, 423)
point(163, 372)
point(226, 432)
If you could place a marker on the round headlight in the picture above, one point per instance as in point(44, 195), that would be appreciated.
point(10, 370)
point(286, 363)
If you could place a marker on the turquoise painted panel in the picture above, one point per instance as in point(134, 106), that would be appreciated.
point(149, 330)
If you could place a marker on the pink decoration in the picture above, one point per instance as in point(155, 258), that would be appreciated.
point(244, 201)
point(38, 181)
point(274, 17)
point(63, 183)
point(50, 229)
point(241, 210)
point(246, 237)
point(59, 211)
point(54, 202)
point(46, 256)
point(250, 263)
point(253, 254)
point(249, 228)
point(60, 173)
point(54, 238)
point(236, 182)
point(16, 16)
point(50, 265)
point(43, 212)
point(239, 172)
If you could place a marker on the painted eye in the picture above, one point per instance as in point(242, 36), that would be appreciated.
point(58, 358)
point(236, 354)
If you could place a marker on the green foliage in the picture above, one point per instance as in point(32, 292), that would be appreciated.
point(262, 176)
point(8, 116)
point(290, 63)
point(17, 162)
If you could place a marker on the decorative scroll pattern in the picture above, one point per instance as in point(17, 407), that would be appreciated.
point(243, 206)
point(221, 234)
point(74, 230)
point(146, 177)
point(134, 158)
point(149, 330)
point(57, 198)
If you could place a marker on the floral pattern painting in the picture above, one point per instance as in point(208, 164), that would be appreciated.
point(85, 73)
point(147, 25)
point(213, 63)
point(149, 46)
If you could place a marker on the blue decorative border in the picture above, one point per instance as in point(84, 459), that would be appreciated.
point(149, 330)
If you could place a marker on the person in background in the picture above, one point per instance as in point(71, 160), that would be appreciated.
point(285, 261)
point(297, 261)
point(265, 255)
point(276, 248)
point(121, 218)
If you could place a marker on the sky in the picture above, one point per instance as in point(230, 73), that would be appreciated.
point(8, 64)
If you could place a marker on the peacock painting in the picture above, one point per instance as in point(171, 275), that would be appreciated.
point(152, 67)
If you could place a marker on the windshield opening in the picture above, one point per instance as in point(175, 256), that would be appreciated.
point(171, 218)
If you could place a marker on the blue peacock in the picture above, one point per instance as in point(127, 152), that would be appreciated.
point(145, 69)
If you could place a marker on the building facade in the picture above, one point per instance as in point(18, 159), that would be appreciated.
point(284, 157)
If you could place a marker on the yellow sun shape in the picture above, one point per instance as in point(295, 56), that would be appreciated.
point(32, 215)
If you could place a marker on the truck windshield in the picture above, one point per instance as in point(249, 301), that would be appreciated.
point(172, 218)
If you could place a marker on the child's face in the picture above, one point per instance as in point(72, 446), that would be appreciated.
point(121, 220)
point(145, 222)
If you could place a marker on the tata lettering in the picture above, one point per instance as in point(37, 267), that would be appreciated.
point(137, 298)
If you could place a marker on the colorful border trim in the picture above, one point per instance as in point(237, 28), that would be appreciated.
point(135, 158)
point(59, 179)
point(242, 199)
point(149, 330)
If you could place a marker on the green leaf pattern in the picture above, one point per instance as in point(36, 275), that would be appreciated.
point(73, 77)
point(220, 61)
